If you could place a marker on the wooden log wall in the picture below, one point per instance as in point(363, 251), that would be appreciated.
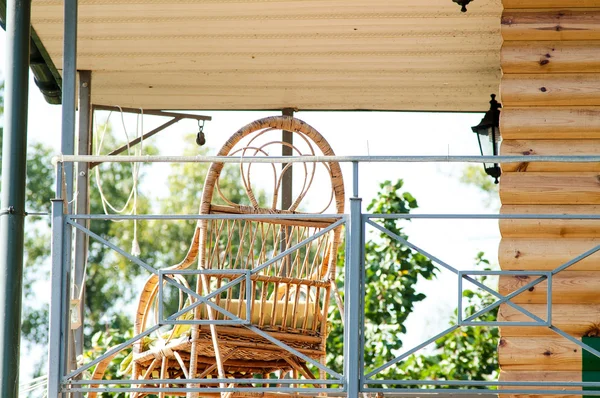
point(550, 93)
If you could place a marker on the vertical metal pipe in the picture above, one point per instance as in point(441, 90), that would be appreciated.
point(286, 150)
point(69, 90)
point(69, 107)
point(352, 292)
point(287, 137)
point(12, 203)
point(55, 372)
point(82, 203)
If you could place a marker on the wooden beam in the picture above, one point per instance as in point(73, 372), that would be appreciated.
point(520, 228)
point(578, 320)
point(550, 57)
point(533, 4)
point(547, 254)
point(563, 123)
point(552, 376)
point(573, 89)
point(568, 287)
point(550, 188)
point(551, 147)
point(563, 24)
point(540, 353)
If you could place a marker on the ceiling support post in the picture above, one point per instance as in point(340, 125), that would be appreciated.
point(82, 204)
point(287, 139)
point(12, 204)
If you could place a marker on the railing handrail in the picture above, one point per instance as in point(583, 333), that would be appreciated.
point(318, 159)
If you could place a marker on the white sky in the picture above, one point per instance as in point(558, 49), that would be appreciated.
point(435, 186)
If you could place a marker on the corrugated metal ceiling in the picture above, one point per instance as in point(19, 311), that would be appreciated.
point(271, 54)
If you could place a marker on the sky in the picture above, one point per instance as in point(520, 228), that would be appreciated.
point(436, 186)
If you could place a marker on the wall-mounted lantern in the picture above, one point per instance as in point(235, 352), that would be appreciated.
point(463, 4)
point(488, 136)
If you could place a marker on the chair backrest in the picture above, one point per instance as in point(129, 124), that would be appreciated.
point(292, 292)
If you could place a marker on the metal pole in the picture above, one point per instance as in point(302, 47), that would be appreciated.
point(56, 337)
point(286, 150)
point(69, 107)
point(12, 204)
point(82, 207)
point(352, 292)
point(287, 137)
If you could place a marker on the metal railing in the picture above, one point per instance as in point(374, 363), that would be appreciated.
point(354, 379)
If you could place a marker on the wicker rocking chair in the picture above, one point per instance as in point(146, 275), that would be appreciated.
point(285, 296)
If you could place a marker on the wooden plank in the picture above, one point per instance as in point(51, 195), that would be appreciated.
point(550, 57)
point(550, 147)
point(328, 78)
point(250, 10)
point(573, 123)
point(515, 228)
point(206, 43)
point(563, 24)
point(550, 376)
point(574, 89)
point(335, 61)
point(536, 4)
point(578, 320)
point(352, 25)
point(547, 254)
point(568, 287)
point(305, 98)
point(540, 353)
point(550, 188)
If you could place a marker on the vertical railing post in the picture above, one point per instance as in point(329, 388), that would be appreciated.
point(12, 201)
point(352, 294)
point(56, 339)
point(84, 147)
point(65, 176)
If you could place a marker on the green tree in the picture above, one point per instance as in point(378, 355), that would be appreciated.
point(392, 273)
point(468, 353)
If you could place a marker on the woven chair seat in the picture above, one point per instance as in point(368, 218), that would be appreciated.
point(290, 292)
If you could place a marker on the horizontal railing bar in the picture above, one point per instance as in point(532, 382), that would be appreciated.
point(486, 216)
point(479, 391)
point(203, 216)
point(489, 383)
point(507, 323)
point(204, 389)
point(206, 381)
point(320, 159)
point(507, 272)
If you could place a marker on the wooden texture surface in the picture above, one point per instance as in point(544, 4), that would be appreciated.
point(567, 287)
point(550, 147)
point(550, 188)
point(550, 376)
point(563, 24)
point(529, 4)
point(571, 123)
point(216, 54)
point(550, 57)
point(517, 228)
point(547, 254)
point(578, 320)
point(551, 96)
point(541, 353)
point(568, 89)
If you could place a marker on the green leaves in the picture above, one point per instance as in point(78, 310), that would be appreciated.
point(392, 271)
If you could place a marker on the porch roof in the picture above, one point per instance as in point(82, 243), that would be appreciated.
point(270, 54)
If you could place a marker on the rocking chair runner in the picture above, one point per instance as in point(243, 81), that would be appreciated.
point(289, 298)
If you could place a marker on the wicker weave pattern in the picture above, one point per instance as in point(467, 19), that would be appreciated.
point(289, 298)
